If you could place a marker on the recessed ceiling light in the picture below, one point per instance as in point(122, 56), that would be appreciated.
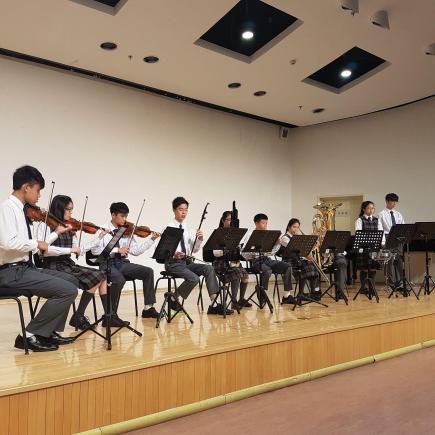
point(108, 46)
point(318, 110)
point(234, 85)
point(151, 59)
point(346, 73)
point(259, 93)
point(247, 34)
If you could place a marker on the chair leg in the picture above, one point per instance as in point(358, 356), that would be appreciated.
point(23, 327)
point(200, 298)
point(135, 298)
point(31, 309)
point(36, 305)
point(95, 308)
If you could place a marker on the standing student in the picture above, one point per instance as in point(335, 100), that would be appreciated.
point(269, 265)
point(367, 222)
point(120, 266)
point(17, 271)
point(389, 217)
point(181, 265)
point(58, 257)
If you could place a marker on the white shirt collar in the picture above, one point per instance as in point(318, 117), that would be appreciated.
point(17, 202)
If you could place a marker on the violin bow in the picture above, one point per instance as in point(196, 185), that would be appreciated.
point(47, 213)
point(81, 223)
point(135, 225)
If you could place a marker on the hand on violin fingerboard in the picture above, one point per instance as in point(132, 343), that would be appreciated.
point(103, 233)
point(63, 229)
point(155, 236)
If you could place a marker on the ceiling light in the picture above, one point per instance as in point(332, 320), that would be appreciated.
point(380, 19)
point(108, 46)
point(151, 59)
point(259, 93)
point(430, 50)
point(247, 34)
point(318, 110)
point(234, 85)
point(350, 5)
point(346, 73)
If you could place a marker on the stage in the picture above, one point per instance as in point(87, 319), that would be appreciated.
point(83, 386)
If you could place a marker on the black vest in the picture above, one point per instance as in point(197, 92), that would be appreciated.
point(368, 225)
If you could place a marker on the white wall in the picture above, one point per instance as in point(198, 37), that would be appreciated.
point(390, 151)
point(117, 144)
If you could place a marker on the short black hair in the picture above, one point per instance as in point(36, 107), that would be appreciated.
point(27, 174)
point(259, 217)
point(58, 206)
point(391, 197)
point(178, 201)
point(119, 207)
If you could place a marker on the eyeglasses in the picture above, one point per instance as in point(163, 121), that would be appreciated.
point(69, 208)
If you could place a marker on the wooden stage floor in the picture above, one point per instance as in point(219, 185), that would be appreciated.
point(281, 344)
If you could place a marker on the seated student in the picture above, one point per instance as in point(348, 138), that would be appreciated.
point(228, 266)
point(308, 272)
point(268, 264)
point(121, 268)
point(388, 218)
point(182, 266)
point(367, 222)
point(58, 257)
point(17, 271)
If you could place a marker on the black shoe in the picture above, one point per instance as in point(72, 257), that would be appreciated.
point(244, 303)
point(219, 309)
point(115, 322)
point(260, 295)
point(79, 322)
point(316, 295)
point(236, 307)
point(55, 338)
point(289, 300)
point(151, 313)
point(35, 343)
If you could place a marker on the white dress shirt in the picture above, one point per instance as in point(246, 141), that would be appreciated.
point(136, 248)
point(254, 255)
point(15, 244)
point(386, 221)
point(188, 236)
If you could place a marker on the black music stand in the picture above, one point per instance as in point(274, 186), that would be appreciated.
point(261, 242)
point(425, 231)
point(335, 243)
point(399, 235)
point(366, 243)
point(104, 261)
point(226, 240)
point(301, 246)
point(165, 251)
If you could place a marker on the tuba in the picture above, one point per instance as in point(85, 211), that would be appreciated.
point(323, 221)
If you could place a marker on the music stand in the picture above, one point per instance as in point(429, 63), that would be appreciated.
point(301, 246)
point(425, 231)
point(164, 252)
point(399, 235)
point(226, 240)
point(365, 243)
point(261, 242)
point(104, 261)
point(335, 243)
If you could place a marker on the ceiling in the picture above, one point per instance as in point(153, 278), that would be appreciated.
point(67, 32)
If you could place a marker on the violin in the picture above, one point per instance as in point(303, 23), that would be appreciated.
point(87, 227)
point(142, 231)
point(36, 214)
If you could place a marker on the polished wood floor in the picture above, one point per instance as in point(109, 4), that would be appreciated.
point(88, 358)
